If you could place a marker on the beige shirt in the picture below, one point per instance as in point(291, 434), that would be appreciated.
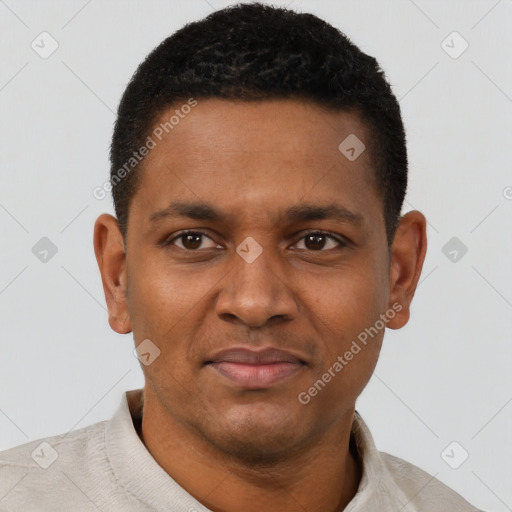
point(106, 467)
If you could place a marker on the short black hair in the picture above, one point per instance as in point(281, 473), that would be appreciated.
point(252, 51)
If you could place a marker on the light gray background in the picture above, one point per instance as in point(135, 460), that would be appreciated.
point(444, 377)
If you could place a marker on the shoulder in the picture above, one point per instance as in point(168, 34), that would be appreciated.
point(423, 490)
point(41, 472)
point(43, 453)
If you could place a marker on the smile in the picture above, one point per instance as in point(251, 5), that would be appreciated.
point(255, 370)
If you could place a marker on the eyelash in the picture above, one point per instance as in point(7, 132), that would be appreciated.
point(326, 234)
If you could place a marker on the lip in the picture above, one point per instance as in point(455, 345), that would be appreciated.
point(255, 369)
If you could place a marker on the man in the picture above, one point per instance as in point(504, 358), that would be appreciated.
point(258, 172)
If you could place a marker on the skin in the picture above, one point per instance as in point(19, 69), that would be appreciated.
point(234, 448)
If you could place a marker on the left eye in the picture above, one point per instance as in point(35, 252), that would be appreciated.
point(191, 240)
point(316, 241)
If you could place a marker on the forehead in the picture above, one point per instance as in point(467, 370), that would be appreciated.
point(297, 127)
point(271, 154)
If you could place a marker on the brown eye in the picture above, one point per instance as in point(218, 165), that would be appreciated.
point(191, 241)
point(314, 242)
point(317, 241)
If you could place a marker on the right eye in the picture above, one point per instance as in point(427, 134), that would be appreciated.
point(190, 240)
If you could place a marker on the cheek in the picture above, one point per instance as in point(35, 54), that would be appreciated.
point(351, 341)
point(159, 295)
point(350, 299)
point(346, 316)
point(167, 306)
point(164, 310)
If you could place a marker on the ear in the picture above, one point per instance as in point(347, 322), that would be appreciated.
point(407, 256)
point(111, 258)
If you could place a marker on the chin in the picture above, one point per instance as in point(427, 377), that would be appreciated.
point(255, 438)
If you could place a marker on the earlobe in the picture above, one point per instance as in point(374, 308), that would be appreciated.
point(407, 257)
point(111, 258)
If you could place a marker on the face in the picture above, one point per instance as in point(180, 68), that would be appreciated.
point(256, 261)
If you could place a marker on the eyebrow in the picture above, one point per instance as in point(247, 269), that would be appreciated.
point(305, 212)
point(197, 211)
point(302, 212)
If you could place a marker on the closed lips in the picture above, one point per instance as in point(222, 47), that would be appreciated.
point(262, 357)
point(249, 369)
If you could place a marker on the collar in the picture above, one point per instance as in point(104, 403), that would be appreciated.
point(143, 478)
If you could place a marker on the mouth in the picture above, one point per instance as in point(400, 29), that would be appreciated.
point(252, 369)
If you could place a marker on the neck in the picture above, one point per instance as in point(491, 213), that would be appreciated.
point(324, 475)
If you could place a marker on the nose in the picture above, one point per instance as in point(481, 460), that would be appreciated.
point(256, 293)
